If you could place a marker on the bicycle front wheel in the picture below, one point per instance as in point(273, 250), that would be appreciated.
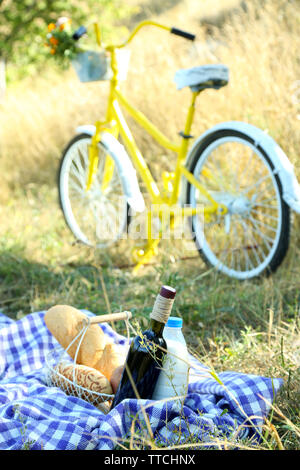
point(99, 216)
point(253, 236)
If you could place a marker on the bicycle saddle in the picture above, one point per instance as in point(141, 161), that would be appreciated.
point(204, 76)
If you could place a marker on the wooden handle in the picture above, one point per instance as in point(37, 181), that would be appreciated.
point(111, 317)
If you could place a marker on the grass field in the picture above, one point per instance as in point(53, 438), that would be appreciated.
point(251, 327)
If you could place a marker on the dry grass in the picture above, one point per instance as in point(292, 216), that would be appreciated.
point(251, 326)
point(39, 115)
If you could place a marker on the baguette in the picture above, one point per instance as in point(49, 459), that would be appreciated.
point(65, 322)
point(86, 377)
point(111, 359)
point(116, 378)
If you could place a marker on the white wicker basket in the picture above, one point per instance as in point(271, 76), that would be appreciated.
point(91, 66)
point(55, 379)
point(59, 355)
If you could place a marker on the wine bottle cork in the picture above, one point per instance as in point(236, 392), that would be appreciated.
point(163, 304)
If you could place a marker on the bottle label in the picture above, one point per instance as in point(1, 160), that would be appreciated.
point(162, 309)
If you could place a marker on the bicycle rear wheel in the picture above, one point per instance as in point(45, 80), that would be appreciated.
point(97, 217)
point(253, 236)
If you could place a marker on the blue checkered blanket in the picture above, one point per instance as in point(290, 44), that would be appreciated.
point(37, 416)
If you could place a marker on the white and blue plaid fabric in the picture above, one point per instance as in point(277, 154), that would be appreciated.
point(36, 416)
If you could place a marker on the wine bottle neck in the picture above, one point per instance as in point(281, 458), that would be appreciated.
point(162, 309)
point(156, 326)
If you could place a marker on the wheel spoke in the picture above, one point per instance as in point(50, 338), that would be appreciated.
point(255, 185)
point(75, 172)
point(239, 268)
point(269, 227)
point(243, 181)
point(264, 214)
point(74, 185)
point(246, 167)
point(94, 218)
point(264, 237)
point(267, 206)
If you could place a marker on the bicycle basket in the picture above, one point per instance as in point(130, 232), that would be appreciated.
point(92, 66)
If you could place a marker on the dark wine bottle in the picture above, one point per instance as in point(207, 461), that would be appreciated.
point(145, 356)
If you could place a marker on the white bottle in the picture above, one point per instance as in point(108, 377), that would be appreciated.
point(174, 376)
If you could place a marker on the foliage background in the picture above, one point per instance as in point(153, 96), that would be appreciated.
point(23, 27)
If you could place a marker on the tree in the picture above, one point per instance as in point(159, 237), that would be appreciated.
point(23, 24)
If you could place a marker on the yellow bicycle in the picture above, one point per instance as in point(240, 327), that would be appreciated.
point(234, 183)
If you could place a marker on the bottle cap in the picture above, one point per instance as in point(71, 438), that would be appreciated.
point(168, 292)
point(174, 322)
point(163, 304)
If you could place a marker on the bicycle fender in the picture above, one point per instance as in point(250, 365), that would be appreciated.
point(282, 165)
point(125, 167)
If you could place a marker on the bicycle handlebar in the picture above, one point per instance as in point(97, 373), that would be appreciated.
point(184, 34)
point(178, 32)
point(79, 33)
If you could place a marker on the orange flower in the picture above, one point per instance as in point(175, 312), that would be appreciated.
point(51, 26)
point(53, 41)
point(52, 51)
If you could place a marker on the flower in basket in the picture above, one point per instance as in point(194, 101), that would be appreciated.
point(60, 40)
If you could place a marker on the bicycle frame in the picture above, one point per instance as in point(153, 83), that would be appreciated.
point(115, 122)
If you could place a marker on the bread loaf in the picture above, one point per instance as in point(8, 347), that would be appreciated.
point(65, 322)
point(87, 377)
point(116, 377)
point(111, 359)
